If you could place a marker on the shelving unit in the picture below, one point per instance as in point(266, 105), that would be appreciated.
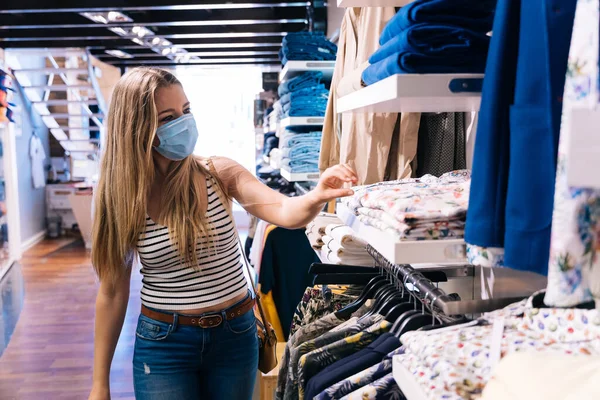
point(301, 121)
point(295, 68)
point(372, 3)
point(405, 251)
point(417, 93)
point(301, 177)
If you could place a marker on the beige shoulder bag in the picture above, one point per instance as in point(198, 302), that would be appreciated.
point(267, 339)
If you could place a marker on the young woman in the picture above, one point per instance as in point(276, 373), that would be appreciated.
point(196, 335)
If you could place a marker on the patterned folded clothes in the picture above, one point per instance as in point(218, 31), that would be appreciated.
point(477, 15)
point(422, 202)
point(410, 200)
point(432, 230)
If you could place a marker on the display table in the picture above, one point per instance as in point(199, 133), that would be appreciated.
point(81, 204)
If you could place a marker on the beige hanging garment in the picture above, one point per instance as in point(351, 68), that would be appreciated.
point(364, 139)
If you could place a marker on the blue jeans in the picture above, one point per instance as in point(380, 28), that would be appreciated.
point(175, 362)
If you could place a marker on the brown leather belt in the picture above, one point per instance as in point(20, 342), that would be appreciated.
point(210, 320)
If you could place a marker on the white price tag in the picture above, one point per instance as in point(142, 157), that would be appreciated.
point(584, 149)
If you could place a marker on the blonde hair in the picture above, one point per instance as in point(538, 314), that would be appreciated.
point(126, 175)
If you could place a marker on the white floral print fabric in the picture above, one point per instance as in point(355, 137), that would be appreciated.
point(485, 256)
point(575, 240)
point(456, 363)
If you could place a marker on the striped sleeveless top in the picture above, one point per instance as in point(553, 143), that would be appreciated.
point(170, 284)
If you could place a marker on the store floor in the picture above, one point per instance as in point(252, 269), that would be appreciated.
point(50, 353)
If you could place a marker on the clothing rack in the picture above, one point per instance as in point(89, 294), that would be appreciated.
point(433, 296)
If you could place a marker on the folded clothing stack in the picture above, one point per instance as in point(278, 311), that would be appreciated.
point(342, 246)
point(276, 115)
point(427, 208)
point(316, 229)
point(306, 102)
point(434, 36)
point(271, 142)
point(307, 46)
point(306, 80)
point(300, 151)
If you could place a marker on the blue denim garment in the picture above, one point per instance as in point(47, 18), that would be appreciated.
point(514, 167)
point(424, 49)
point(301, 166)
point(175, 362)
point(287, 136)
point(305, 111)
point(307, 46)
point(477, 15)
point(306, 94)
point(428, 40)
point(294, 141)
point(302, 149)
point(308, 79)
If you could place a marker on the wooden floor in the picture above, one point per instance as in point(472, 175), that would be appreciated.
point(50, 353)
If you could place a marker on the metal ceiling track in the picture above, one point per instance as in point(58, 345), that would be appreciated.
point(182, 7)
point(70, 90)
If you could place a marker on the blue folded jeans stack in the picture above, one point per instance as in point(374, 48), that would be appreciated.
point(434, 36)
point(306, 80)
point(309, 46)
point(301, 151)
point(306, 102)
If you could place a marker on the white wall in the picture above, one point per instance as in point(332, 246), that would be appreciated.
point(334, 17)
point(32, 202)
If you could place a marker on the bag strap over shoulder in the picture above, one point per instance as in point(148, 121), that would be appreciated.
point(227, 204)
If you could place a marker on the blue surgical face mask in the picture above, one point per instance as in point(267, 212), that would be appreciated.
point(177, 138)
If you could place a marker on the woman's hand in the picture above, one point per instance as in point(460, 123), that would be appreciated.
point(331, 184)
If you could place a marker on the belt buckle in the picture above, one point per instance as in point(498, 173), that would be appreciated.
point(210, 321)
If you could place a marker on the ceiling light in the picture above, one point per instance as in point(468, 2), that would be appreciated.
point(137, 41)
point(118, 53)
point(118, 31)
point(156, 41)
point(96, 17)
point(165, 42)
point(142, 31)
point(106, 17)
point(165, 51)
point(115, 16)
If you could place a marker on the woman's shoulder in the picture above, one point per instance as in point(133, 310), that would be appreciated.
point(222, 165)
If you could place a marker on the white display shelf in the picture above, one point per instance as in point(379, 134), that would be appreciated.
point(406, 381)
point(405, 251)
point(295, 68)
point(372, 3)
point(301, 177)
point(302, 121)
point(415, 93)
